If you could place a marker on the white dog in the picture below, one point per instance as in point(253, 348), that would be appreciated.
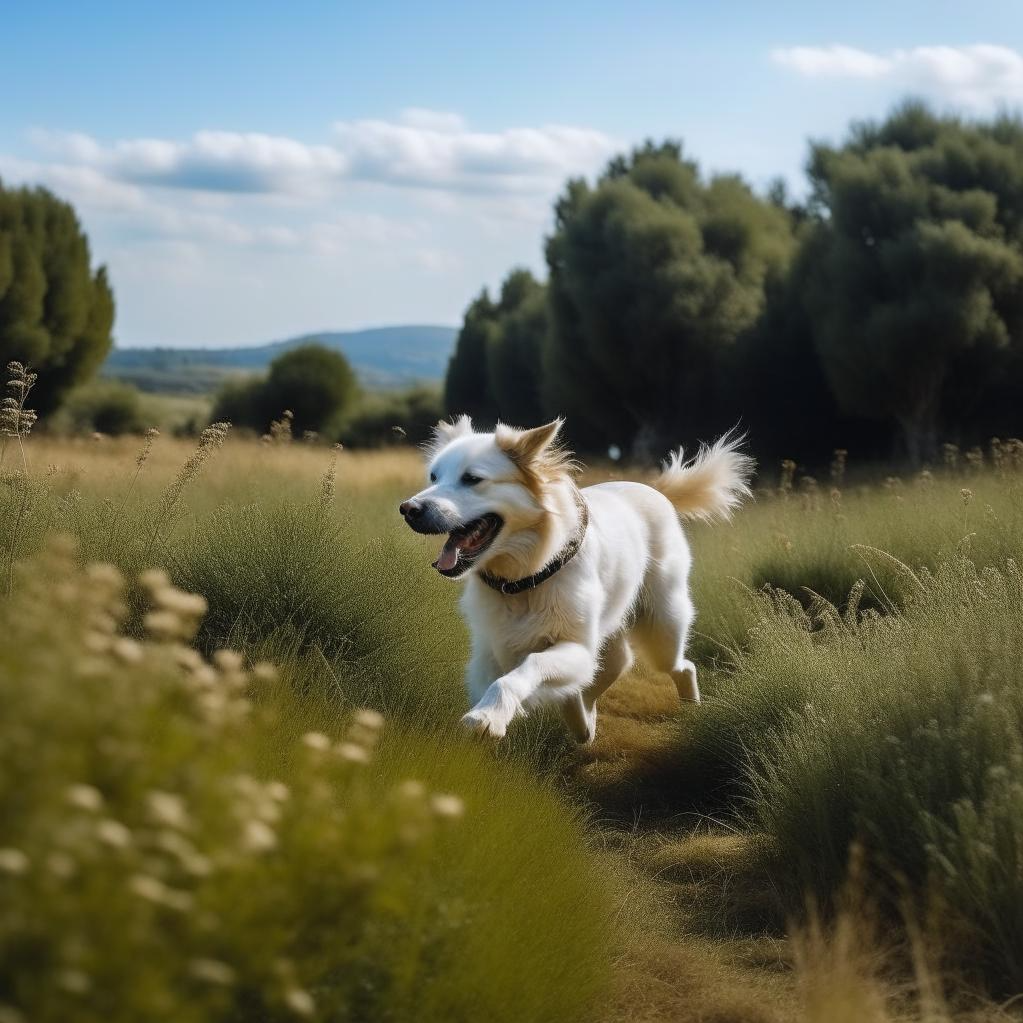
point(563, 581)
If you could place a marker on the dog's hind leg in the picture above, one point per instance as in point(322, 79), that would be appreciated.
point(663, 631)
point(581, 720)
point(580, 712)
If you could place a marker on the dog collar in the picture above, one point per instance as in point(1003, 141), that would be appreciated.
point(509, 587)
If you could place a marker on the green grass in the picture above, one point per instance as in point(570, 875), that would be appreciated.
point(892, 722)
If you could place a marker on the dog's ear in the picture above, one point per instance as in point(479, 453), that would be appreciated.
point(526, 447)
point(445, 432)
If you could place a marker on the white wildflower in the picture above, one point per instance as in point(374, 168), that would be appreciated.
point(299, 1001)
point(228, 660)
point(127, 650)
point(162, 624)
point(113, 833)
point(168, 808)
point(13, 861)
point(84, 797)
point(154, 890)
point(411, 789)
point(264, 672)
point(316, 741)
point(104, 575)
point(155, 579)
point(353, 752)
point(446, 805)
point(190, 605)
point(369, 719)
point(146, 887)
point(258, 837)
point(213, 971)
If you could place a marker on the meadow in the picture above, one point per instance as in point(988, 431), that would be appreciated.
point(232, 785)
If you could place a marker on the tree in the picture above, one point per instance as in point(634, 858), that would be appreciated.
point(654, 274)
point(56, 314)
point(776, 385)
point(514, 350)
point(495, 370)
point(917, 275)
point(466, 385)
point(315, 383)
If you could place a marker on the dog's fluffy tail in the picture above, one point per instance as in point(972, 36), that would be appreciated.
point(711, 485)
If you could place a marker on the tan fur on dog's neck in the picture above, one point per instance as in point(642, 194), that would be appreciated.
point(530, 549)
point(546, 469)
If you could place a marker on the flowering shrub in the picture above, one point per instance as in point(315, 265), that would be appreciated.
point(151, 867)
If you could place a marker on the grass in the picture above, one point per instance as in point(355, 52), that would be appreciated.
point(661, 873)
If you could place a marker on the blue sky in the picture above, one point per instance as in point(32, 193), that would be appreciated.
point(252, 171)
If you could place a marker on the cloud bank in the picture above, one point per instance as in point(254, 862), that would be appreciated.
point(422, 149)
point(231, 236)
point(982, 76)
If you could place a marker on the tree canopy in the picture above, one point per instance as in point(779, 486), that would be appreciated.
point(654, 274)
point(881, 313)
point(916, 276)
point(467, 385)
point(495, 371)
point(56, 312)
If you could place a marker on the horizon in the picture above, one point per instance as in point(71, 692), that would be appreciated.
point(367, 169)
point(302, 335)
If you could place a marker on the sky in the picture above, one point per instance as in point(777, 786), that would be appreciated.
point(252, 171)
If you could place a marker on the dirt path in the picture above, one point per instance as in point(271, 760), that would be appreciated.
point(710, 948)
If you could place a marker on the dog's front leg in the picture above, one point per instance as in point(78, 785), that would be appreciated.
point(481, 670)
point(564, 664)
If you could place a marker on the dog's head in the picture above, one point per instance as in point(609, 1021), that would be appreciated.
point(486, 490)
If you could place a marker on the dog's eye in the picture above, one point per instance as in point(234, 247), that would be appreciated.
point(433, 477)
point(469, 480)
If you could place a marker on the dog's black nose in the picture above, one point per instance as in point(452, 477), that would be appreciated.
point(410, 509)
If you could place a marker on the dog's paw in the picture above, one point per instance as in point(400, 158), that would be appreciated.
point(480, 722)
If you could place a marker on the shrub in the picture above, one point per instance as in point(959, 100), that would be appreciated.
point(902, 730)
point(182, 838)
point(105, 406)
point(239, 402)
point(316, 384)
point(393, 418)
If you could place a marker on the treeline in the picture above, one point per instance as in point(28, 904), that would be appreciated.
point(883, 314)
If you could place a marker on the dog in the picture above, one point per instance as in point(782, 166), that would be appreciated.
point(563, 582)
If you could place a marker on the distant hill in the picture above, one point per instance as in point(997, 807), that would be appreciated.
point(384, 357)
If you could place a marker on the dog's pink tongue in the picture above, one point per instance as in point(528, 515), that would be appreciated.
point(448, 557)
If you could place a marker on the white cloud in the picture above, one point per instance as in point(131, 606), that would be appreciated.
point(83, 185)
point(448, 156)
point(980, 76)
point(837, 61)
point(422, 149)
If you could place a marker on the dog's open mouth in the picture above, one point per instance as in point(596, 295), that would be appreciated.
point(466, 543)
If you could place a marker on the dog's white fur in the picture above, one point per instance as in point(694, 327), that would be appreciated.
point(567, 640)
